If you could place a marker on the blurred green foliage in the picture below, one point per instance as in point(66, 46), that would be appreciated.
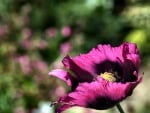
point(36, 34)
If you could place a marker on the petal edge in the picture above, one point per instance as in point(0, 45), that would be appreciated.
point(61, 74)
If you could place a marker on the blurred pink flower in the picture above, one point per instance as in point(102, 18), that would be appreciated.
point(18, 94)
point(26, 44)
point(65, 48)
point(19, 110)
point(25, 64)
point(66, 31)
point(27, 33)
point(38, 77)
point(40, 66)
point(41, 44)
point(51, 32)
point(3, 31)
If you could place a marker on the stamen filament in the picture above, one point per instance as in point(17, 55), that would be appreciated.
point(108, 76)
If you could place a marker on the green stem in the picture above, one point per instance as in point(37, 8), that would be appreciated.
point(120, 109)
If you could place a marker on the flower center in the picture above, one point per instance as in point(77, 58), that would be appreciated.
point(108, 76)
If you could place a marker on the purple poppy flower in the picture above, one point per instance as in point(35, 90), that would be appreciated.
point(101, 78)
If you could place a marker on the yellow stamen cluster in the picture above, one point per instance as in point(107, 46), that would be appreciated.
point(108, 76)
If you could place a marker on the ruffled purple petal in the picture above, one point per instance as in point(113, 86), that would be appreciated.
point(61, 74)
point(86, 66)
point(99, 94)
point(132, 53)
point(76, 67)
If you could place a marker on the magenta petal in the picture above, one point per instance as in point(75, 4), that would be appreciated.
point(119, 91)
point(133, 54)
point(99, 94)
point(78, 68)
point(61, 74)
point(84, 65)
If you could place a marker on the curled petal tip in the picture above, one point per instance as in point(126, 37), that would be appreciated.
point(61, 74)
